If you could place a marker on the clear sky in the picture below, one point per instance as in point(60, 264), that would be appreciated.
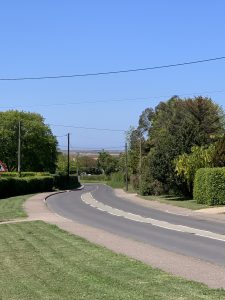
point(54, 37)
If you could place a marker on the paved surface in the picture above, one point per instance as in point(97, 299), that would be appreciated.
point(171, 261)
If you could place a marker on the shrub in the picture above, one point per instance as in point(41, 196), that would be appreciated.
point(101, 177)
point(13, 186)
point(116, 180)
point(209, 186)
point(154, 187)
point(23, 174)
point(135, 181)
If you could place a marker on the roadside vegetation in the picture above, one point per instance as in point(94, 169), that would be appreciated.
point(12, 208)
point(171, 143)
point(11, 184)
point(176, 201)
point(40, 261)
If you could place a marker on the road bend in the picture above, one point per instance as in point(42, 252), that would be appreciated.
point(97, 206)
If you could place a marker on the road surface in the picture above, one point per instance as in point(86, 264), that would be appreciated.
point(97, 206)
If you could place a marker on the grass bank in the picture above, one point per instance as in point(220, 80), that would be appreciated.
point(40, 261)
point(12, 208)
point(176, 201)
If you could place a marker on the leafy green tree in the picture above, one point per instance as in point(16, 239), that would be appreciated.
point(107, 163)
point(188, 164)
point(219, 153)
point(38, 145)
point(174, 128)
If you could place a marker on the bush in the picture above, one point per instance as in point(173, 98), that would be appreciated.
point(135, 181)
point(154, 187)
point(116, 180)
point(13, 186)
point(100, 177)
point(23, 174)
point(209, 186)
point(61, 181)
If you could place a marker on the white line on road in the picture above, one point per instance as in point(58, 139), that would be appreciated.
point(89, 199)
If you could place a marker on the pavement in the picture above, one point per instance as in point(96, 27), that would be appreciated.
point(172, 262)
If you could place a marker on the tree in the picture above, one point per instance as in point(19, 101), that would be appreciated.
point(188, 164)
point(38, 145)
point(107, 163)
point(219, 153)
point(174, 128)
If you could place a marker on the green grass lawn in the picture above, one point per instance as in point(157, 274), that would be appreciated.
point(12, 208)
point(40, 261)
point(176, 201)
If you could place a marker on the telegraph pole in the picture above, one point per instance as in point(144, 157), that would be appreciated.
point(68, 159)
point(19, 149)
point(140, 162)
point(126, 168)
point(77, 165)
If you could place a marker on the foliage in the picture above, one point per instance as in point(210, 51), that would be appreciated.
point(173, 128)
point(24, 174)
point(13, 186)
point(116, 180)
point(97, 178)
point(209, 186)
point(107, 163)
point(188, 164)
point(38, 145)
point(218, 159)
point(82, 164)
point(62, 182)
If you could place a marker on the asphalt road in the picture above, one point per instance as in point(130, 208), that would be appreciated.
point(72, 206)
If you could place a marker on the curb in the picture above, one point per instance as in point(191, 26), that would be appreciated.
point(61, 192)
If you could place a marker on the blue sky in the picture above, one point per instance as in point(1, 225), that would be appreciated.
point(53, 37)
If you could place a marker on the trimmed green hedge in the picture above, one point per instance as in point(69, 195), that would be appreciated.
point(13, 186)
point(23, 174)
point(61, 182)
point(209, 186)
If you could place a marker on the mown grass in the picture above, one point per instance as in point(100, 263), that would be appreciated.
point(176, 201)
point(40, 261)
point(12, 208)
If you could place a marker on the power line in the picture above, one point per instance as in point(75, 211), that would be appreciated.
point(115, 72)
point(87, 128)
point(147, 98)
point(78, 127)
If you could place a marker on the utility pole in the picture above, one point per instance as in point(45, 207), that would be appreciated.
point(126, 168)
point(19, 149)
point(68, 159)
point(77, 165)
point(140, 162)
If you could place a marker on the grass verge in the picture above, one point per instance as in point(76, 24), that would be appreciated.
point(12, 208)
point(176, 201)
point(40, 261)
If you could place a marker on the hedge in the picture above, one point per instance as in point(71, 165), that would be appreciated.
point(13, 186)
point(61, 181)
point(209, 186)
point(23, 174)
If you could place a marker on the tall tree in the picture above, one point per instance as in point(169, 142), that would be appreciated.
point(38, 145)
point(175, 127)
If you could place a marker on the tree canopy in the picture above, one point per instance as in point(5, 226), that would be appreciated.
point(38, 144)
point(173, 128)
